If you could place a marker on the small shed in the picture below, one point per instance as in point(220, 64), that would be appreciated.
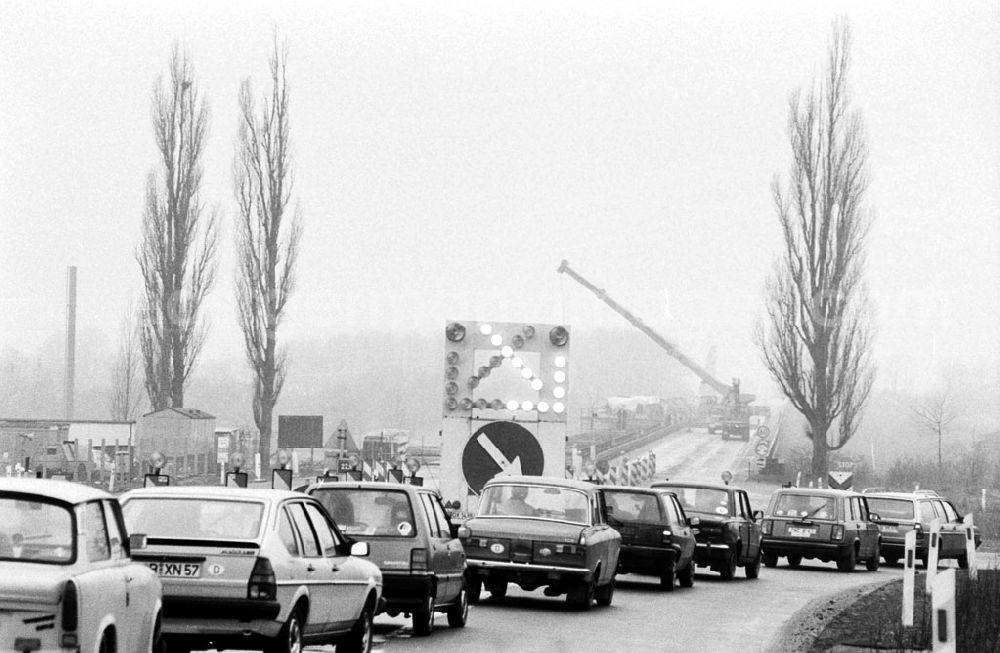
point(177, 433)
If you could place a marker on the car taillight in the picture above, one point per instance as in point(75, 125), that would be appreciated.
point(71, 607)
point(665, 537)
point(418, 560)
point(583, 539)
point(766, 526)
point(838, 532)
point(262, 585)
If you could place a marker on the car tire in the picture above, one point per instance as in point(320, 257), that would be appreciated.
point(359, 640)
point(963, 561)
point(848, 561)
point(475, 587)
point(686, 577)
point(752, 568)
point(872, 563)
point(497, 589)
point(668, 579)
point(728, 571)
point(769, 559)
point(794, 560)
point(581, 595)
point(423, 618)
point(289, 639)
point(605, 594)
point(107, 644)
point(458, 613)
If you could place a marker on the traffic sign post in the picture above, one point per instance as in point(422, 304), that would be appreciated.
point(943, 612)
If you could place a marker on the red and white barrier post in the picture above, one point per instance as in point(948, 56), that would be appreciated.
point(909, 575)
point(970, 546)
point(933, 549)
point(943, 612)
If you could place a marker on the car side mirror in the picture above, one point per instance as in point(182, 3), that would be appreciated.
point(136, 542)
point(453, 529)
point(758, 515)
point(359, 549)
point(694, 521)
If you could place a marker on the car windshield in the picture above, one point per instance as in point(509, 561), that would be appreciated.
point(32, 530)
point(625, 506)
point(378, 513)
point(200, 518)
point(891, 508)
point(545, 502)
point(805, 505)
point(707, 501)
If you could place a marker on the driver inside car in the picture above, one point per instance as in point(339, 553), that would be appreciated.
point(516, 504)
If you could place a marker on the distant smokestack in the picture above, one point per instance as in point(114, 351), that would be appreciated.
point(70, 338)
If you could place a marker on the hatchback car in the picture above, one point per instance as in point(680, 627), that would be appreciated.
point(546, 532)
point(411, 540)
point(901, 512)
point(245, 568)
point(656, 534)
point(728, 532)
point(827, 525)
point(66, 580)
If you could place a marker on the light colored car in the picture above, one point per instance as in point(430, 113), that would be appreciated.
point(245, 568)
point(66, 580)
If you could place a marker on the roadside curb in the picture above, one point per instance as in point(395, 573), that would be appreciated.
point(800, 631)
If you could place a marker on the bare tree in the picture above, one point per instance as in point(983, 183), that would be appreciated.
point(177, 252)
point(934, 414)
point(267, 237)
point(126, 385)
point(816, 338)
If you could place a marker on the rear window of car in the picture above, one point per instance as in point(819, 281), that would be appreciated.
point(36, 531)
point(805, 505)
point(891, 508)
point(706, 501)
point(545, 502)
point(193, 518)
point(369, 512)
point(623, 505)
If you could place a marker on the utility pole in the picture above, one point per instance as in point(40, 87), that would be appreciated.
point(70, 340)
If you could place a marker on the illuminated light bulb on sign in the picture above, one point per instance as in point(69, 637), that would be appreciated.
point(559, 376)
point(560, 361)
point(512, 404)
point(526, 373)
point(559, 392)
point(558, 407)
point(516, 361)
point(507, 351)
point(527, 405)
point(536, 384)
point(543, 407)
point(496, 340)
point(485, 329)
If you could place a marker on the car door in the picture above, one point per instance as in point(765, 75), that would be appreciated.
point(455, 571)
point(952, 531)
point(317, 576)
point(142, 588)
point(103, 588)
point(870, 529)
point(679, 525)
point(438, 554)
point(750, 529)
point(346, 585)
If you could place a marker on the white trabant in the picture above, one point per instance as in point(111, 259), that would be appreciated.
point(66, 580)
point(249, 568)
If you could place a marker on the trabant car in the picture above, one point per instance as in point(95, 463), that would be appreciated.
point(412, 541)
point(828, 525)
point(900, 512)
point(537, 532)
point(728, 532)
point(66, 580)
point(246, 568)
point(657, 538)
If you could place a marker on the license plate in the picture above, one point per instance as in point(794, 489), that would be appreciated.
point(801, 532)
point(889, 529)
point(176, 569)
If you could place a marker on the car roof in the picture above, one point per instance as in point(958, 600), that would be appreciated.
point(823, 492)
point(914, 496)
point(212, 492)
point(65, 491)
point(694, 484)
point(551, 481)
point(629, 488)
point(367, 485)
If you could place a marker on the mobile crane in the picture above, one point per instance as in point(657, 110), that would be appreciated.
point(735, 416)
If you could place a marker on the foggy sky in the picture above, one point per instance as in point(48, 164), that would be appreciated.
point(448, 155)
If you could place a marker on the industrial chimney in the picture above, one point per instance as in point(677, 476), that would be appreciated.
point(70, 338)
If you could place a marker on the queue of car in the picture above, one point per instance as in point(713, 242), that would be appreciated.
point(210, 567)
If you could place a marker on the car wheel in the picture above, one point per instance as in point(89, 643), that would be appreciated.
point(605, 593)
point(794, 560)
point(769, 559)
point(668, 578)
point(686, 577)
point(729, 570)
point(498, 589)
point(423, 618)
point(359, 640)
point(107, 644)
point(289, 640)
point(581, 595)
point(848, 561)
point(963, 561)
point(475, 590)
point(458, 614)
point(871, 564)
point(752, 568)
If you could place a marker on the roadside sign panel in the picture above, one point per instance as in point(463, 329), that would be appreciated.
point(840, 480)
point(236, 479)
point(156, 480)
point(500, 448)
point(281, 479)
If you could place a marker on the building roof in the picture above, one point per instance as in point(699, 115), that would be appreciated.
point(190, 413)
point(24, 423)
point(59, 490)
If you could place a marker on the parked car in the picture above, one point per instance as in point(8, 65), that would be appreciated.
point(827, 525)
point(412, 541)
point(901, 512)
point(245, 568)
point(728, 532)
point(541, 532)
point(66, 580)
point(657, 538)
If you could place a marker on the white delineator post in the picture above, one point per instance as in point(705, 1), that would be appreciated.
point(933, 548)
point(970, 546)
point(256, 465)
point(909, 574)
point(943, 612)
point(222, 473)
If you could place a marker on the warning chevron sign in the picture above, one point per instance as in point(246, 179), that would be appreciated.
point(840, 480)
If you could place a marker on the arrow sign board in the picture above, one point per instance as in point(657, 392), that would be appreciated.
point(500, 448)
point(840, 480)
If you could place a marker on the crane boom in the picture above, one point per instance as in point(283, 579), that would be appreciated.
point(720, 387)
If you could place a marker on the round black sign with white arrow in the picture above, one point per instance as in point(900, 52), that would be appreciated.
point(498, 447)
